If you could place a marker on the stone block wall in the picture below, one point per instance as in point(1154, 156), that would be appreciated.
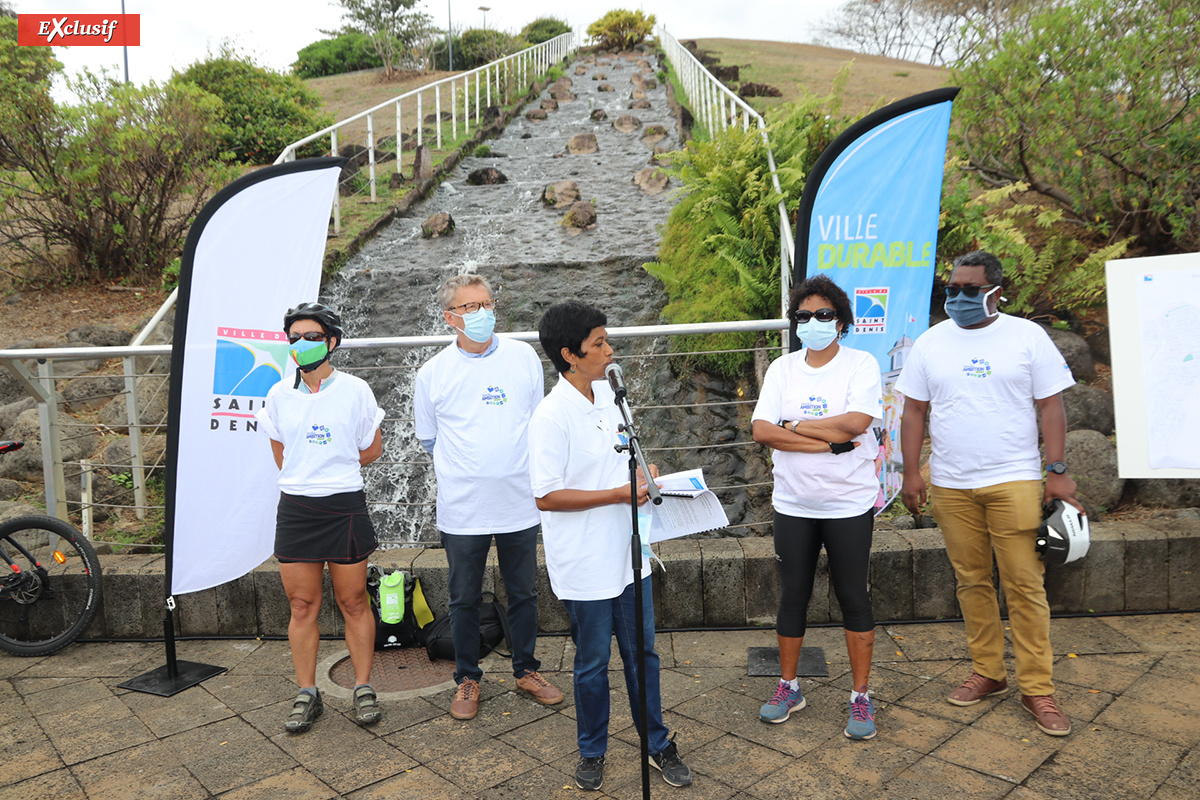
point(708, 583)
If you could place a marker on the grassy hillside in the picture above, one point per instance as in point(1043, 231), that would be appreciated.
point(798, 68)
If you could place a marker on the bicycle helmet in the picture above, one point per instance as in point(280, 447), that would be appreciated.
point(1063, 536)
point(323, 314)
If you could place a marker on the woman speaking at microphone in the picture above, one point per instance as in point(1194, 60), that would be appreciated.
point(581, 485)
point(815, 411)
point(324, 428)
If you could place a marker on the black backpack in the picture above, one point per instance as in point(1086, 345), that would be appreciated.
point(493, 627)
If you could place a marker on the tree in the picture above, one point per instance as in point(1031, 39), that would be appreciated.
point(116, 180)
point(264, 111)
point(394, 28)
point(620, 29)
point(936, 31)
point(1095, 107)
point(543, 29)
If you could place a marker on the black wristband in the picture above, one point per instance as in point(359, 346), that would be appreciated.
point(841, 447)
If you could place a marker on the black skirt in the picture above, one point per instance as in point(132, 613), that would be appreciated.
point(336, 528)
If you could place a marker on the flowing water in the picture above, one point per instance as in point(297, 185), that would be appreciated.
point(505, 233)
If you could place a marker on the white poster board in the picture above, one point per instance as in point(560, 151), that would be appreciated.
point(1154, 331)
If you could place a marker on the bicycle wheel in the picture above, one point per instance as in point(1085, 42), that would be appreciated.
point(50, 588)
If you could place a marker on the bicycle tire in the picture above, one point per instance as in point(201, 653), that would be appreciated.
point(61, 589)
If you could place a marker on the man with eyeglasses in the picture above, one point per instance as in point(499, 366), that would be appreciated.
point(985, 377)
point(472, 404)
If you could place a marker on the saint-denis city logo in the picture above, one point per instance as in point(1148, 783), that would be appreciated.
point(870, 309)
point(248, 363)
point(79, 30)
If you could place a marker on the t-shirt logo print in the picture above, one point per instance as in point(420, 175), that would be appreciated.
point(494, 396)
point(319, 435)
point(814, 406)
point(978, 368)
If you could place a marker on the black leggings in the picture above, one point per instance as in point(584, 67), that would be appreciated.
point(847, 541)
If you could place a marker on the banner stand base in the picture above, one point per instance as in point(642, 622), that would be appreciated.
point(763, 662)
point(163, 683)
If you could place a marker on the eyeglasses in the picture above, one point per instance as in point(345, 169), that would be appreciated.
point(471, 308)
point(969, 291)
point(310, 336)
point(822, 315)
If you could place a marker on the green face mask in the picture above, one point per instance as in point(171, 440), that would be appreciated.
point(309, 355)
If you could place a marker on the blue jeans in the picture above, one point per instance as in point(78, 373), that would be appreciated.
point(518, 567)
point(593, 623)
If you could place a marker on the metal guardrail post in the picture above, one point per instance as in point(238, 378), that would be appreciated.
point(52, 466)
point(337, 195)
point(371, 153)
point(85, 498)
point(437, 108)
point(133, 416)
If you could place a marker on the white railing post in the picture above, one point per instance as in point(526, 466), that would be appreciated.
point(52, 466)
point(454, 110)
point(133, 416)
point(337, 195)
point(487, 78)
point(399, 136)
point(477, 123)
point(420, 121)
point(437, 105)
point(371, 153)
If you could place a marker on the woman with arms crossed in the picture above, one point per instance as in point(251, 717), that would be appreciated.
point(815, 411)
point(324, 428)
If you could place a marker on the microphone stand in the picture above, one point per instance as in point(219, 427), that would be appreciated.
point(636, 459)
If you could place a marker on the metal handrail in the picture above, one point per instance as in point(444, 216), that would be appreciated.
point(706, 91)
point(537, 59)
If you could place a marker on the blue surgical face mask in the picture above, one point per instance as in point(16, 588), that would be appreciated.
point(479, 325)
point(968, 311)
point(817, 335)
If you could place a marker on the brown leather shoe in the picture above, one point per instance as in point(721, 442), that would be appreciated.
point(975, 688)
point(465, 704)
point(540, 688)
point(1050, 718)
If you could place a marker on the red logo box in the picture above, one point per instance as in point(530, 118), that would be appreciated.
point(79, 30)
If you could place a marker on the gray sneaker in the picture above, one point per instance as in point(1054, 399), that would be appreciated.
point(673, 770)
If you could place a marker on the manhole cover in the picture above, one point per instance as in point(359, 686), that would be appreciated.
point(397, 669)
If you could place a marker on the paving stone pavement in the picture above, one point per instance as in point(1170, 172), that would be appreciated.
point(1130, 684)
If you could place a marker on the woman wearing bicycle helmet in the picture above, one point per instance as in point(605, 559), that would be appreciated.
point(324, 427)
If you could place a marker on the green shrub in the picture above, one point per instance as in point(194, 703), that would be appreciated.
point(480, 46)
point(620, 29)
point(439, 51)
point(1093, 105)
point(264, 111)
point(719, 258)
point(543, 29)
point(1047, 268)
point(346, 52)
point(115, 180)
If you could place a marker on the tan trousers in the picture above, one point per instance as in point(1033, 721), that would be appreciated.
point(1001, 519)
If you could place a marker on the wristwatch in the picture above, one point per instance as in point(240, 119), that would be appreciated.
point(784, 423)
point(1058, 468)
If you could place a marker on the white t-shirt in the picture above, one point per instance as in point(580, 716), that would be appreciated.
point(571, 442)
point(981, 385)
point(478, 410)
point(823, 485)
point(321, 434)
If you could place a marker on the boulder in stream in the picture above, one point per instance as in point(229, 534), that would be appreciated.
point(487, 176)
point(437, 225)
point(627, 123)
point(582, 144)
point(560, 194)
point(581, 214)
point(651, 180)
point(654, 134)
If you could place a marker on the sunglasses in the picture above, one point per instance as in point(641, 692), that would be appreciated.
point(311, 336)
point(822, 315)
point(969, 291)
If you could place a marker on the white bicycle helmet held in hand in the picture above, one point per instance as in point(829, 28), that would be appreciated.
point(1064, 536)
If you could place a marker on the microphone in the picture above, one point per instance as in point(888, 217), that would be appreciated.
point(616, 379)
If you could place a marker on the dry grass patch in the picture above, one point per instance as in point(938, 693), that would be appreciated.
point(798, 68)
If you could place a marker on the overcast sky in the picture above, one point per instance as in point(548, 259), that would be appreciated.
point(176, 33)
